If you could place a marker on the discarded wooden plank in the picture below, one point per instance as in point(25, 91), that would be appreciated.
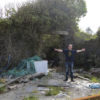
point(26, 78)
point(48, 85)
point(94, 97)
point(32, 76)
point(14, 80)
point(37, 75)
point(81, 77)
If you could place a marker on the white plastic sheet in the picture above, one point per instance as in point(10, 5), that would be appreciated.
point(41, 66)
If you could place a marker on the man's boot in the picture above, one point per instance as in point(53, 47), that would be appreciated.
point(66, 79)
point(72, 80)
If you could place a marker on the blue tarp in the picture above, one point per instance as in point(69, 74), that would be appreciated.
point(94, 86)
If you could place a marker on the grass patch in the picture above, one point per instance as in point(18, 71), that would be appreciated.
point(92, 78)
point(54, 91)
point(35, 91)
point(95, 79)
point(3, 89)
point(2, 80)
point(31, 98)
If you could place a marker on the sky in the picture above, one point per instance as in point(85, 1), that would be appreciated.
point(92, 18)
point(6, 2)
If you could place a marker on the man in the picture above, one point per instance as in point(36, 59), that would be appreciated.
point(69, 55)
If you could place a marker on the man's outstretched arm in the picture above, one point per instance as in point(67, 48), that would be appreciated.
point(82, 50)
point(58, 50)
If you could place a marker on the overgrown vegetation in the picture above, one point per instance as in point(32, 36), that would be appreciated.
point(92, 78)
point(95, 79)
point(54, 91)
point(33, 29)
point(31, 98)
point(3, 89)
point(35, 91)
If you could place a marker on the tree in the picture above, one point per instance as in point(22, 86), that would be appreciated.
point(25, 28)
point(98, 33)
point(89, 30)
point(52, 15)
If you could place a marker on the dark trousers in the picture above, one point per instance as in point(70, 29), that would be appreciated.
point(69, 69)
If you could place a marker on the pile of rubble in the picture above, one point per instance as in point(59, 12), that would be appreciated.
point(39, 84)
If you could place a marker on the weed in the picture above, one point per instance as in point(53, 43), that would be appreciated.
point(54, 91)
point(31, 98)
point(35, 91)
point(2, 80)
point(95, 79)
point(3, 89)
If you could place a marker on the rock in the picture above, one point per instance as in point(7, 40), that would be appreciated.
point(60, 95)
point(43, 89)
point(43, 92)
point(12, 87)
point(52, 70)
point(78, 70)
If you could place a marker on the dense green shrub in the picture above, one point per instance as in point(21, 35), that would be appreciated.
point(30, 29)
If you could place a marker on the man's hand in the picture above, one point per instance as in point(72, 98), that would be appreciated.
point(55, 49)
point(58, 50)
point(83, 49)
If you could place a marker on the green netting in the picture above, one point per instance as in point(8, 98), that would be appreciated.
point(26, 66)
